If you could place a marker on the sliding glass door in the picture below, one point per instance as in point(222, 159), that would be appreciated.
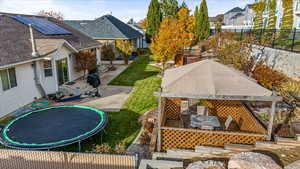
point(62, 71)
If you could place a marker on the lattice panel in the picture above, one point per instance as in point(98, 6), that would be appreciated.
point(172, 109)
point(238, 112)
point(188, 139)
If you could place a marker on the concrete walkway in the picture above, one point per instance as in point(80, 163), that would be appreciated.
point(113, 97)
point(112, 100)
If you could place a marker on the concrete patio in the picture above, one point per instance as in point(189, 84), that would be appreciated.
point(112, 97)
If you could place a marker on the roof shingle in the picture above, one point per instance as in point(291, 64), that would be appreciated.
point(15, 45)
point(105, 27)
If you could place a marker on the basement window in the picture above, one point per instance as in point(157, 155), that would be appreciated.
point(8, 78)
point(48, 68)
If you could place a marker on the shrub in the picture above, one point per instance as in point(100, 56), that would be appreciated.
point(120, 148)
point(107, 52)
point(103, 148)
point(290, 87)
point(144, 138)
point(268, 77)
point(148, 126)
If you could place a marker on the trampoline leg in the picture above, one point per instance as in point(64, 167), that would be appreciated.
point(79, 146)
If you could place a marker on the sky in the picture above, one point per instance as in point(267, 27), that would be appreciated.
point(91, 9)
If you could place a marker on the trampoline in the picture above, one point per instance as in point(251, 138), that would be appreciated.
point(53, 127)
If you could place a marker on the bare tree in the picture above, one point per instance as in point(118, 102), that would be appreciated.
point(53, 14)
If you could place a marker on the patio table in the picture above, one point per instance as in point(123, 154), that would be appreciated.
point(199, 121)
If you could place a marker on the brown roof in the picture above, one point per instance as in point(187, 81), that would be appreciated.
point(210, 78)
point(47, 46)
point(15, 45)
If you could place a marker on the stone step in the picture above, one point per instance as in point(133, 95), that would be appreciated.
point(210, 149)
point(287, 141)
point(160, 164)
point(239, 147)
point(270, 145)
point(188, 154)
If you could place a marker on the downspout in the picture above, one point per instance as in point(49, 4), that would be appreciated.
point(34, 65)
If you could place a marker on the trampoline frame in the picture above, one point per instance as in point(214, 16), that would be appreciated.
point(8, 142)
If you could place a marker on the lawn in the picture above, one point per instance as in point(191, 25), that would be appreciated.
point(123, 126)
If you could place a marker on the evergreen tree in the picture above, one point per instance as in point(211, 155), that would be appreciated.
point(169, 7)
point(288, 14)
point(202, 22)
point(272, 15)
point(183, 5)
point(197, 24)
point(154, 17)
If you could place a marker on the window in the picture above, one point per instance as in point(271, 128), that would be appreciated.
point(8, 78)
point(48, 68)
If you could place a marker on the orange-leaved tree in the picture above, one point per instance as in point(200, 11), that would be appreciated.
point(175, 34)
point(86, 61)
point(125, 47)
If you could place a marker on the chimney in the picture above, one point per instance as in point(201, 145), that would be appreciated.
point(33, 43)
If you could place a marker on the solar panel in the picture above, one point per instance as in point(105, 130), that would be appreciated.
point(42, 25)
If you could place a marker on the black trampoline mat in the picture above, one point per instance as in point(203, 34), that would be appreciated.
point(61, 125)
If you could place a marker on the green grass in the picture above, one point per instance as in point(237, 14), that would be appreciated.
point(137, 71)
point(123, 126)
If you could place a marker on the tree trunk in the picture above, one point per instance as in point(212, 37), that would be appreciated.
point(126, 59)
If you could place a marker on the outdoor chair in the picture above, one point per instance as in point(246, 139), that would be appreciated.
point(202, 110)
point(227, 122)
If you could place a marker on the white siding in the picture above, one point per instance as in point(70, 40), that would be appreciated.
point(21, 95)
point(49, 83)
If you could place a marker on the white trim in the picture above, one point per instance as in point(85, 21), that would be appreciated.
point(93, 47)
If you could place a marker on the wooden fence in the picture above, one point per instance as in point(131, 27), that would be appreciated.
point(19, 159)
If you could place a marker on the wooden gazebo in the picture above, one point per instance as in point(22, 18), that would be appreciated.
point(223, 91)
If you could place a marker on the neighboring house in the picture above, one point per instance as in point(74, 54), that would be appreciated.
point(231, 13)
point(143, 32)
point(108, 29)
point(239, 17)
point(35, 64)
point(279, 14)
point(214, 20)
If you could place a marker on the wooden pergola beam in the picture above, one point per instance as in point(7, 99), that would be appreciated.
point(221, 97)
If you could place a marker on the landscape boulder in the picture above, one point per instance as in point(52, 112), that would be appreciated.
point(210, 164)
point(251, 160)
point(295, 165)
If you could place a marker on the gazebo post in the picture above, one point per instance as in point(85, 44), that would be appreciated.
point(159, 124)
point(271, 120)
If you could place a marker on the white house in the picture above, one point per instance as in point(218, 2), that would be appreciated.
point(36, 60)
